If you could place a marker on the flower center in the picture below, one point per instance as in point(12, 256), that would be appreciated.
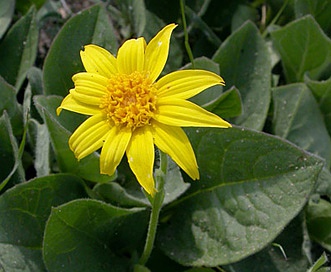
point(130, 101)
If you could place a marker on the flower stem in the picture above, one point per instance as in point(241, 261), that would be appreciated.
point(186, 41)
point(156, 202)
point(274, 20)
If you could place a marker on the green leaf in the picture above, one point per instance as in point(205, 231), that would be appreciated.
point(251, 186)
point(36, 80)
point(320, 9)
point(303, 47)
point(197, 21)
point(63, 60)
point(287, 256)
point(88, 235)
point(24, 5)
point(298, 119)
point(318, 265)
point(41, 143)
point(35, 87)
point(10, 163)
point(228, 104)
point(24, 210)
point(6, 14)
point(130, 17)
point(241, 15)
point(318, 215)
point(9, 104)
point(135, 11)
point(322, 93)
point(323, 185)
point(200, 269)
point(87, 168)
point(245, 63)
point(18, 50)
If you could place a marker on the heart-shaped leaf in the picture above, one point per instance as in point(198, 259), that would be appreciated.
point(252, 185)
point(24, 210)
point(89, 235)
point(303, 47)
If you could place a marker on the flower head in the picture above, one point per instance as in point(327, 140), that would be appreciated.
point(131, 111)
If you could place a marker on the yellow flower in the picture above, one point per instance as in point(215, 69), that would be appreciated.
point(131, 110)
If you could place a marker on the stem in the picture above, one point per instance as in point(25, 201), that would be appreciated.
point(275, 19)
point(156, 202)
point(186, 41)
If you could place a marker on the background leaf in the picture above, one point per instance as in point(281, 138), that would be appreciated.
point(63, 60)
point(9, 154)
point(252, 185)
point(272, 259)
point(246, 53)
point(319, 222)
point(9, 104)
point(303, 47)
point(322, 93)
point(24, 210)
point(228, 104)
point(41, 142)
point(295, 114)
point(6, 13)
point(88, 235)
point(241, 15)
point(18, 50)
point(24, 5)
point(320, 9)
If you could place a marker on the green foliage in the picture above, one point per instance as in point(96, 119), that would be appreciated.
point(264, 182)
point(246, 53)
point(7, 10)
point(23, 36)
point(219, 216)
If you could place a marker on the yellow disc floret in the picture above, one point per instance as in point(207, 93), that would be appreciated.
point(130, 100)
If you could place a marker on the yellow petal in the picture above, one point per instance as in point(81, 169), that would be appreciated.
point(71, 104)
point(114, 149)
point(140, 154)
point(174, 142)
point(131, 56)
point(89, 88)
point(98, 60)
point(89, 136)
point(182, 113)
point(186, 83)
point(90, 84)
point(157, 52)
